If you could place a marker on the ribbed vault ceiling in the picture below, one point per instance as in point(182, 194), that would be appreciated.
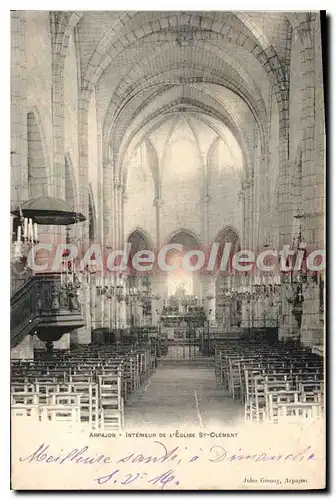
point(147, 67)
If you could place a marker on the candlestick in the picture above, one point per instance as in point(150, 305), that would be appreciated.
point(30, 229)
point(25, 228)
point(35, 231)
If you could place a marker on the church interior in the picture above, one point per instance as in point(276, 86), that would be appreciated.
point(183, 131)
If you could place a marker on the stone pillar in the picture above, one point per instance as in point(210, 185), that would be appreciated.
point(312, 331)
point(83, 335)
point(122, 314)
point(248, 208)
point(119, 204)
point(205, 210)
point(158, 202)
point(284, 205)
point(112, 304)
point(227, 317)
point(208, 287)
point(159, 290)
point(58, 59)
point(246, 314)
point(19, 171)
point(288, 328)
point(138, 313)
point(260, 306)
point(313, 168)
point(98, 312)
point(63, 342)
point(108, 206)
point(113, 313)
point(93, 301)
point(24, 350)
point(263, 212)
point(83, 180)
point(243, 197)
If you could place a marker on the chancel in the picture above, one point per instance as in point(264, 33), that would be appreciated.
point(197, 141)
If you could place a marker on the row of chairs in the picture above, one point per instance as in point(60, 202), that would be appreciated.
point(89, 385)
point(274, 382)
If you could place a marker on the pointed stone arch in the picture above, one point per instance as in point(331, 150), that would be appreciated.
point(140, 240)
point(185, 237)
point(229, 234)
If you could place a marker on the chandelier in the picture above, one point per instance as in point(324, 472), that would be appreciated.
point(296, 279)
point(26, 237)
point(246, 288)
point(110, 286)
point(267, 286)
point(146, 296)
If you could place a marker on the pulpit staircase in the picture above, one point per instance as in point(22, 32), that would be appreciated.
point(40, 306)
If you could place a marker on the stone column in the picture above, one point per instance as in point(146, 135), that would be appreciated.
point(83, 335)
point(227, 317)
point(114, 312)
point(84, 169)
point(93, 301)
point(288, 328)
point(19, 171)
point(122, 313)
point(265, 203)
point(108, 206)
point(246, 314)
point(98, 312)
point(206, 205)
point(113, 322)
point(262, 308)
point(138, 313)
point(208, 288)
point(158, 202)
point(24, 350)
point(159, 289)
point(312, 331)
point(119, 194)
point(284, 205)
point(313, 172)
point(248, 205)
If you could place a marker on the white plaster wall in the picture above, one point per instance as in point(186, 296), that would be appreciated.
point(139, 210)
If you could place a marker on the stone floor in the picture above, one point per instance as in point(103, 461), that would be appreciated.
point(182, 395)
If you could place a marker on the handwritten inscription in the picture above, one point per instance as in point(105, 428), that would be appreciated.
point(118, 473)
point(220, 454)
point(116, 476)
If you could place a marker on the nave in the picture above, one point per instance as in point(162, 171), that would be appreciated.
point(129, 387)
point(183, 396)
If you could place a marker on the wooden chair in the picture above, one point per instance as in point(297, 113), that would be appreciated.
point(111, 404)
point(295, 412)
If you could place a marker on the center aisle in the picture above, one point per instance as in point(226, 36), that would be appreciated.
point(180, 396)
